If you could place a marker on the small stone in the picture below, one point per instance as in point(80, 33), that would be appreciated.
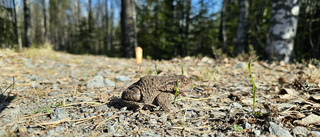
point(59, 129)
point(275, 129)
point(50, 132)
point(123, 108)
point(198, 123)
point(96, 82)
point(109, 83)
point(236, 105)
point(218, 114)
point(163, 117)
point(121, 118)
point(240, 65)
point(153, 121)
point(110, 128)
point(300, 131)
point(148, 134)
point(35, 85)
point(246, 125)
point(316, 133)
point(34, 78)
point(53, 93)
point(83, 110)
point(257, 132)
point(168, 125)
point(284, 106)
point(58, 114)
point(122, 78)
point(103, 107)
point(108, 114)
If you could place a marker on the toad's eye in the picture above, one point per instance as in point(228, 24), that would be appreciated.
point(185, 81)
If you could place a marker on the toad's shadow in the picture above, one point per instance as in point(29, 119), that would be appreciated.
point(116, 102)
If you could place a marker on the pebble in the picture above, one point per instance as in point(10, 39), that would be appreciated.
point(53, 93)
point(198, 123)
point(284, 106)
point(121, 118)
point(109, 83)
point(246, 125)
point(122, 78)
point(58, 114)
point(108, 114)
point(153, 122)
point(300, 131)
point(217, 114)
point(257, 132)
point(316, 133)
point(240, 65)
point(34, 78)
point(59, 129)
point(50, 132)
point(83, 110)
point(96, 82)
point(35, 85)
point(168, 125)
point(235, 105)
point(275, 129)
point(163, 118)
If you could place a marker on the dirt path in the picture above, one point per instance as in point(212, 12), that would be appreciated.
point(58, 94)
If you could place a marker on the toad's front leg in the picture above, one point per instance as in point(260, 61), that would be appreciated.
point(165, 101)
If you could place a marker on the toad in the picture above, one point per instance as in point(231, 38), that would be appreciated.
point(155, 91)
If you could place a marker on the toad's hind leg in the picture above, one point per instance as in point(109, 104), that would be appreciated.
point(164, 100)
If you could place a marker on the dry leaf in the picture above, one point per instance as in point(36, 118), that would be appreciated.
point(309, 120)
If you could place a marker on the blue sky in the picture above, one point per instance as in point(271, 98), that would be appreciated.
point(216, 7)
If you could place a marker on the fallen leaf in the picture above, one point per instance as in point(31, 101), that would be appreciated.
point(315, 98)
point(287, 91)
point(309, 120)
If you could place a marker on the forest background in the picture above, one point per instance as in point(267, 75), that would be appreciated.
point(166, 28)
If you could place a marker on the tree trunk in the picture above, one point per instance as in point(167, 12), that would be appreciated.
point(133, 9)
point(111, 25)
point(222, 28)
point(44, 20)
point(16, 25)
point(27, 23)
point(106, 38)
point(127, 28)
point(241, 42)
point(188, 21)
point(283, 27)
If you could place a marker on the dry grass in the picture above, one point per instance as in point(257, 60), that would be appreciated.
point(314, 75)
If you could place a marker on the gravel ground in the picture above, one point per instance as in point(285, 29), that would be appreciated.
point(47, 93)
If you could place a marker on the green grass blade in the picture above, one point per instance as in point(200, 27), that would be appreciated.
point(155, 68)
point(175, 95)
point(253, 85)
point(47, 108)
point(182, 69)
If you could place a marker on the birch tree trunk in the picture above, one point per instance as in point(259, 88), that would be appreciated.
point(241, 42)
point(27, 23)
point(283, 28)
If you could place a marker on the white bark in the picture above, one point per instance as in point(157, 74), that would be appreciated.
point(241, 42)
point(283, 28)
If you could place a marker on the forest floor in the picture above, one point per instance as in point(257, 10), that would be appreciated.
point(48, 93)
